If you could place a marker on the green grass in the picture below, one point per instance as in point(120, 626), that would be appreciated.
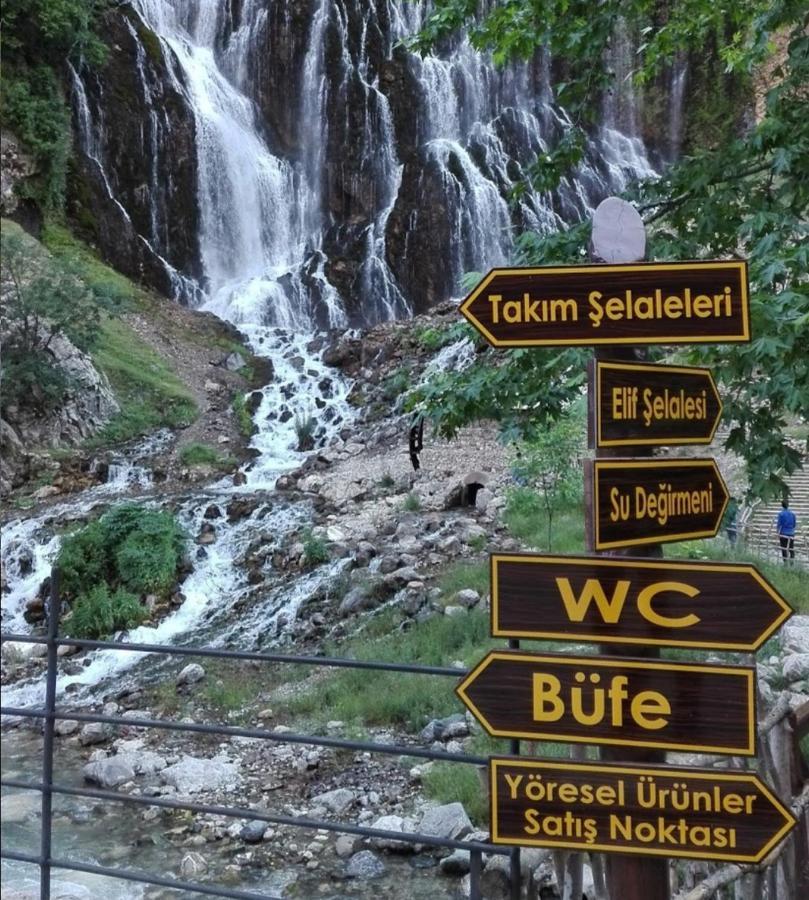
point(526, 519)
point(412, 503)
point(448, 782)
point(243, 418)
point(385, 698)
point(204, 455)
point(149, 393)
point(465, 574)
point(97, 275)
point(315, 549)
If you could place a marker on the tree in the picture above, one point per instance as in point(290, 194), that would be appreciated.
point(547, 464)
point(40, 302)
point(746, 196)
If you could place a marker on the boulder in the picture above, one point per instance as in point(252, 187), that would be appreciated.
point(365, 864)
point(447, 821)
point(95, 733)
point(337, 801)
point(192, 774)
point(191, 674)
point(467, 598)
point(393, 823)
point(109, 773)
point(253, 832)
point(193, 865)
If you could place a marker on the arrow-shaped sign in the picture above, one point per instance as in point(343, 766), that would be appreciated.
point(626, 702)
point(641, 303)
point(645, 810)
point(719, 606)
point(635, 404)
point(637, 501)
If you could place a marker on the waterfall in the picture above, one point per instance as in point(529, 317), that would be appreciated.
point(340, 179)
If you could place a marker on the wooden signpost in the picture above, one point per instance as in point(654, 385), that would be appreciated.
point(641, 303)
point(643, 810)
point(637, 502)
point(719, 606)
point(637, 404)
point(635, 708)
point(621, 702)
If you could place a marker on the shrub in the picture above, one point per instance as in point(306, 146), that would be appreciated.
point(130, 551)
point(305, 431)
point(44, 300)
point(243, 417)
point(100, 612)
point(315, 549)
point(205, 455)
point(412, 503)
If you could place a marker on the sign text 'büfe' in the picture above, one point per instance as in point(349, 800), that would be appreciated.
point(635, 703)
point(642, 303)
point(646, 810)
point(721, 606)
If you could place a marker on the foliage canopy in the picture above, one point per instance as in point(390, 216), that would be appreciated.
point(747, 196)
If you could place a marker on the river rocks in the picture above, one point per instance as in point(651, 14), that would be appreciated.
point(253, 832)
point(191, 674)
point(447, 821)
point(65, 727)
point(191, 775)
point(457, 863)
point(193, 865)
point(110, 772)
point(393, 823)
point(95, 733)
point(365, 864)
point(207, 534)
point(338, 801)
point(446, 729)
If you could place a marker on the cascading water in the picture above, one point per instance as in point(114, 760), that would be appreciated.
point(354, 182)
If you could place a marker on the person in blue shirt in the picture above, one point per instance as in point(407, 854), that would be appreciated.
point(785, 526)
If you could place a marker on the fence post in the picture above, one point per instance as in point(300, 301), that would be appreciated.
point(515, 865)
point(474, 875)
point(47, 742)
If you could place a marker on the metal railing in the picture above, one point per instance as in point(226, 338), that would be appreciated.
point(50, 713)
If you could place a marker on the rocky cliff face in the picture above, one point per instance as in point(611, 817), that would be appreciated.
point(24, 433)
point(293, 151)
point(133, 187)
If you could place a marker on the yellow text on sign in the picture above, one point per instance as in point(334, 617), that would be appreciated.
point(611, 607)
point(647, 709)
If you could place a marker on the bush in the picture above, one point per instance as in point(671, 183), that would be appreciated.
point(305, 431)
point(412, 503)
point(44, 300)
point(205, 455)
point(107, 565)
point(315, 549)
point(99, 612)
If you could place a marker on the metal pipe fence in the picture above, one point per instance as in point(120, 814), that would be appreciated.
point(50, 713)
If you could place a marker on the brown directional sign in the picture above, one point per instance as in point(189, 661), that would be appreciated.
point(646, 810)
point(636, 501)
point(717, 606)
point(634, 404)
point(641, 303)
point(627, 702)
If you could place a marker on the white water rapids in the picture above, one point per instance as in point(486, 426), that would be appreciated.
point(263, 221)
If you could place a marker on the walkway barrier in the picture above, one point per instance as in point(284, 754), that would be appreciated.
point(50, 712)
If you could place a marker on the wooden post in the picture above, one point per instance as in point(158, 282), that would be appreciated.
point(619, 236)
